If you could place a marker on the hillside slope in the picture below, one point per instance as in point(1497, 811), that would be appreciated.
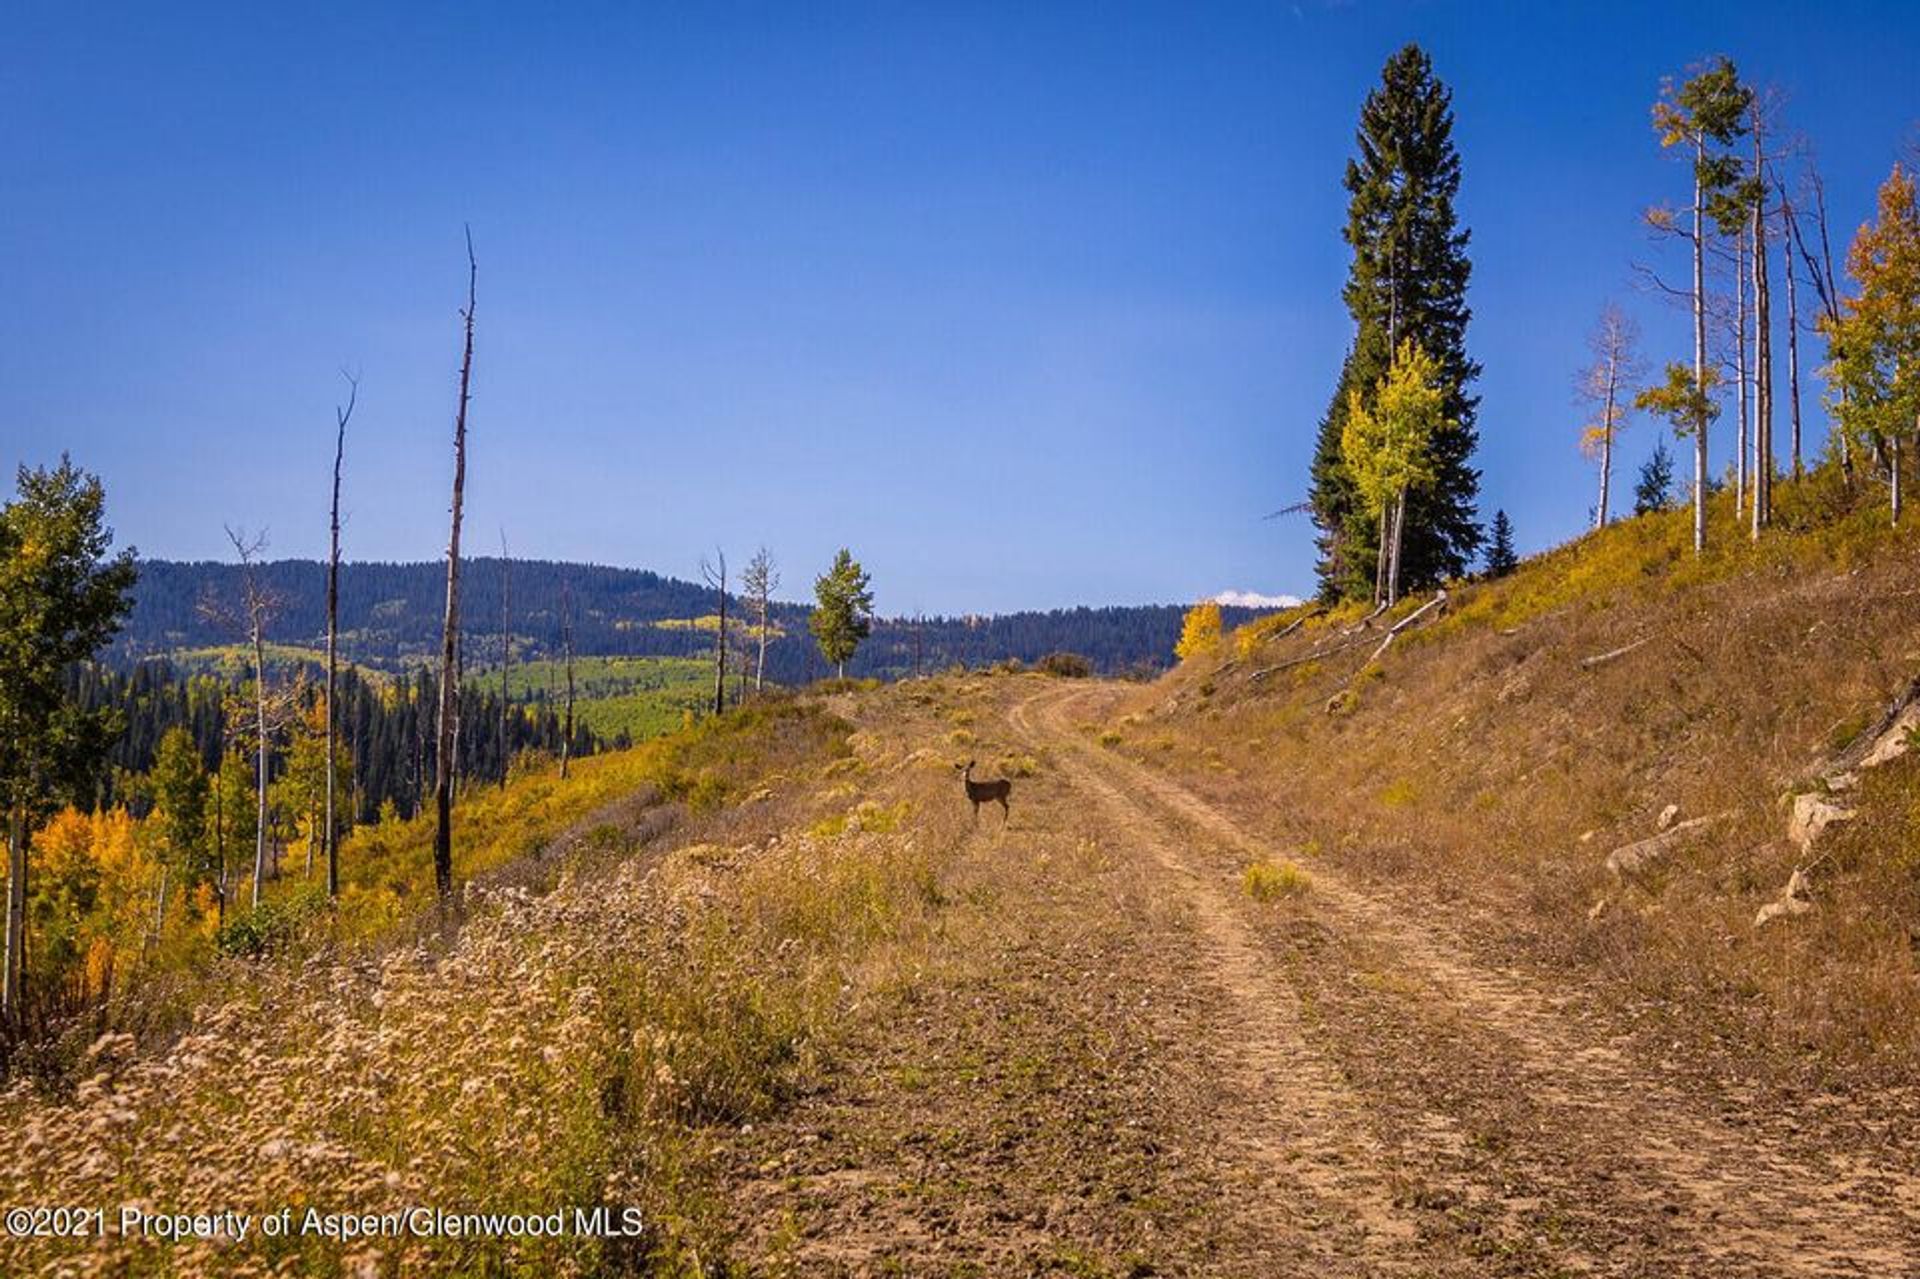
point(390, 616)
point(1493, 757)
point(1304, 959)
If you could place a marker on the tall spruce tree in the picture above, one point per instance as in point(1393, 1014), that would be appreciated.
point(1408, 282)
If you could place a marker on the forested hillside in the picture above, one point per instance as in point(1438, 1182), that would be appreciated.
point(390, 616)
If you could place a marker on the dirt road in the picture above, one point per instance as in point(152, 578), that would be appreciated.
point(1134, 1068)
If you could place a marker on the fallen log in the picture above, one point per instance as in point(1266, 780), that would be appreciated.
point(1314, 656)
point(1439, 600)
point(1601, 659)
point(1865, 741)
point(1630, 859)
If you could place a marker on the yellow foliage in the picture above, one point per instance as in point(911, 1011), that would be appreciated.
point(1200, 632)
point(1389, 447)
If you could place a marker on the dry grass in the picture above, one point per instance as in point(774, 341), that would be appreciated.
point(562, 1048)
point(1482, 766)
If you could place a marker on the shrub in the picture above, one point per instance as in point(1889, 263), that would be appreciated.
point(1199, 632)
point(1265, 881)
point(267, 927)
point(1065, 666)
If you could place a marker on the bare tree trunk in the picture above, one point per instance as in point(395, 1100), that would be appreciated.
point(1830, 298)
point(760, 661)
point(13, 980)
point(1762, 341)
point(459, 710)
point(1743, 373)
point(159, 911)
point(1606, 439)
point(566, 642)
point(1399, 532)
point(1699, 351)
point(1893, 463)
point(450, 625)
point(506, 653)
point(260, 757)
point(333, 639)
point(1380, 565)
point(1793, 331)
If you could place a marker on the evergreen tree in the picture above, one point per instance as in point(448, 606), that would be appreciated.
point(1407, 282)
point(1654, 492)
point(61, 598)
point(1500, 557)
point(843, 615)
point(180, 796)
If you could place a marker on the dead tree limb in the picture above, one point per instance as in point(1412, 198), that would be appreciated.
point(341, 416)
point(1601, 659)
point(1314, 656)
point(450, 625)
point(1438, 601)
point(1867, 738)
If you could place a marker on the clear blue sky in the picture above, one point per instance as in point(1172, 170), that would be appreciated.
point(1028, 304)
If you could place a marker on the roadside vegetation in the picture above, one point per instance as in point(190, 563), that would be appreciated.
point(1489, 759)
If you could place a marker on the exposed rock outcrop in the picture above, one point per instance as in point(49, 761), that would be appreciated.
point(1812, 814)
point(1797, 899)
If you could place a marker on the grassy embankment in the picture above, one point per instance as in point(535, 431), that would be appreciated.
point(602, 1003)
point(1486, 766)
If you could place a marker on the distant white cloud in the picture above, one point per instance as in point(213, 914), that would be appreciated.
point(1254, 599)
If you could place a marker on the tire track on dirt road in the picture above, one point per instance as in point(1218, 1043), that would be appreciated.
point(1314, 1173)
point(1609, 1138)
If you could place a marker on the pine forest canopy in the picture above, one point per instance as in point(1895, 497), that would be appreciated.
point(390, 619)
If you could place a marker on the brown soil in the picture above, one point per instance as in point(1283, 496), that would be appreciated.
point(1117, 1062)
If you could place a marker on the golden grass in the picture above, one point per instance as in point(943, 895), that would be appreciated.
point(1480, 761)
point(563, 1049)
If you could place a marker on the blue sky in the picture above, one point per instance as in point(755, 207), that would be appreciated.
point(1028, 304)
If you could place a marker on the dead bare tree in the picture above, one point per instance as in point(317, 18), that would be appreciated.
point(717, 578)
point(1761, 112)
point(259, 605)
point(1793, 328)
point(341, 416)
point(1608, 384)
point(759, 582)
point(450, 625)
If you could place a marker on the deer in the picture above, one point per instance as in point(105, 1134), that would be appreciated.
point(985, 792)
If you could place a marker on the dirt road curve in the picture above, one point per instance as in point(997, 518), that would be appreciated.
point(1327, 1086)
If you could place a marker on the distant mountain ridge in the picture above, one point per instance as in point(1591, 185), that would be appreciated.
point(390, 617)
